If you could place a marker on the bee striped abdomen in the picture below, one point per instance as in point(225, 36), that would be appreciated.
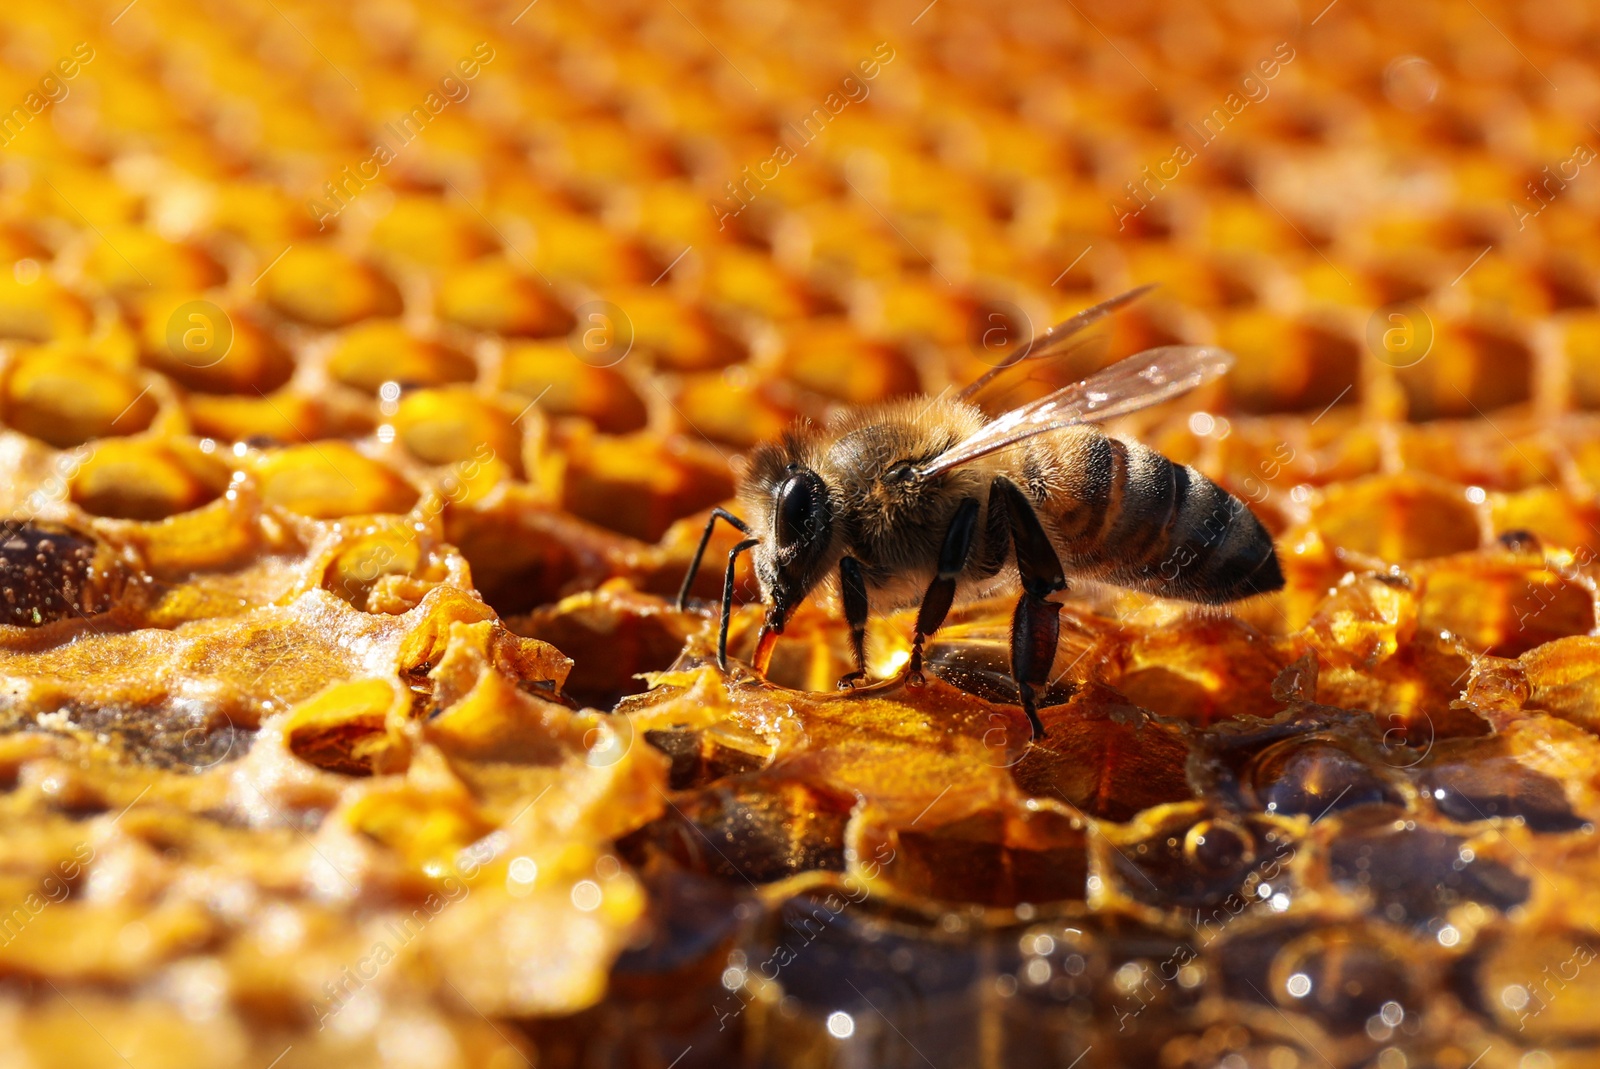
point(1141, 521)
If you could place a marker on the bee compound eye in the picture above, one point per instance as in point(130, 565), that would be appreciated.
point(796, 501)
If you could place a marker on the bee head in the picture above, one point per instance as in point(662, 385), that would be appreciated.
point(795, 557)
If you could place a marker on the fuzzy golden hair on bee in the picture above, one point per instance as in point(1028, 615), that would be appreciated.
point(921, 502)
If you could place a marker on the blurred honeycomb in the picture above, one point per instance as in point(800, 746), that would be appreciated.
point(367, 372)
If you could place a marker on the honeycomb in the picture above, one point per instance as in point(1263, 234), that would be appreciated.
point(367, 374)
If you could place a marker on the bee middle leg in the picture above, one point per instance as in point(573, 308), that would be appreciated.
point(853, 592)
point(1036, 625)
point(942, 591)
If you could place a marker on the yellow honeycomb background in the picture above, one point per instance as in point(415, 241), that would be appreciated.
point(367, 372)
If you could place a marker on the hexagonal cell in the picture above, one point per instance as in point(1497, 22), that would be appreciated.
point(319, 285)
point(285, 416)
point(40, 309)
point(328, 480)
point(1288, 365)
point(1399, 518)
point(1505, 608)
point(1471, 368)
point(548, 373)
point(637, 486)
point(736, 412)
point(132, 259)
point(427, 230)
point(49, 572)
point(68, 397)
point(493, 295)
point(210, 348)
point(370, 354)
point(677, 335)
point(145, 480)
point(832, 358)
point(455, 425)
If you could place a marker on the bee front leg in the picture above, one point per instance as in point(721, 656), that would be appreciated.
point(853, 592)
point(727, 599)
point(942, 591)
point(705, 539)
point(1036, 625)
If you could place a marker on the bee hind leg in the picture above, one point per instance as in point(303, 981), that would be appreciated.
point(1036, 624)
point(853, 592)
point(941, 592)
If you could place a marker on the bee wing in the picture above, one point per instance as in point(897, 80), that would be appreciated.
point(1141, 380)
point(1050, 342)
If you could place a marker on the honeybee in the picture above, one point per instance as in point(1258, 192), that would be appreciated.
point(917, 501)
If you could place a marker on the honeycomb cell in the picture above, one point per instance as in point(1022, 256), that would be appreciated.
point(1287, 365)
point(285, 416)
point(132, 259)
point(1581, 349)
point(1474, 780)
point(733, 412)
point(677, 335)
point(1473, 368)
point(991, 859)
point(614, 636)
point(1420, 518)
point(1105, 757)
point(756, 832)
point(830, 357)
point(425, 230)
point(743, 279)
point(453, 426)
point(548, 374)
point(1342, 978)
point(328, 480)
point(370, 354)
point(572, 246)
point(637, 486)
point(1506, 609)
point(1191, 858)
point(493, 295)
point(49, 572)
point(145, 480)
point(206, 347)
point(1383, 863)
point(1540, 985)
point(323, 287)
point(347, 728)
point(39, 309)
point(66, 399)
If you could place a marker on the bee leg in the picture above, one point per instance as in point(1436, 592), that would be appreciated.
point(1036, 625)
point(853, 592)
point(942, 591)
point(1035, 628)
point(727, 598)
point(705, 539)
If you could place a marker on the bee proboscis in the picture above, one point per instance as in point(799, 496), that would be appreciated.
point(915, 501)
